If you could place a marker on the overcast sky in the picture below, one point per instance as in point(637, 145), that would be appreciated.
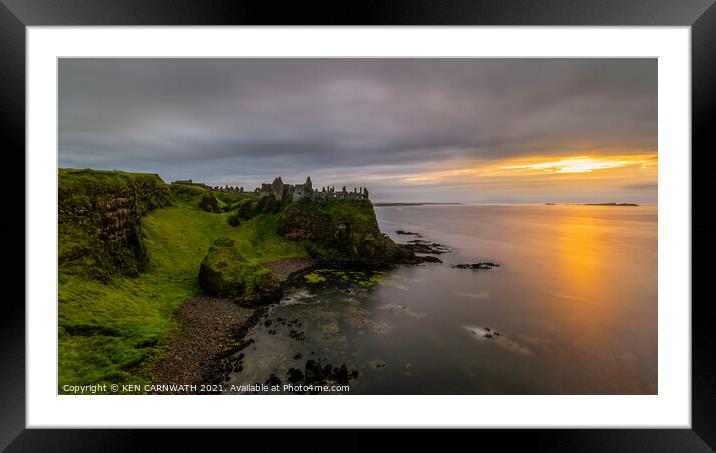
point(409, 129)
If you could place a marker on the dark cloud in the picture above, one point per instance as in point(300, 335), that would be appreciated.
point(235, 120)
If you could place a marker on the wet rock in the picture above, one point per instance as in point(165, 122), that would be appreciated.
point(476, 266)
point(314, 372)
point(406, 233)
point(341, 374)
point(296, 335)
point(418, 246)
point(267, 322)
point(318, 373)
point(294, 375)
point(411, 258)
point(273, 380)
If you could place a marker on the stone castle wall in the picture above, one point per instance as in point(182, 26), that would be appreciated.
point(281, 191)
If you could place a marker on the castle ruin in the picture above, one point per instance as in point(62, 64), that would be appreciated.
point(281, 191)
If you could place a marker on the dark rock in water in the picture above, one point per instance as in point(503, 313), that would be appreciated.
point(488, 335)
point(487, 328)
point(238, 368)
point(419, 246)
point(496, 333)
point(298, 336)
point(294, 375)
point(267, 322)
point(341, 374)
point(297, 356)
point(407, 233)
point(318, 373)
point(476, 266)
point(377, 363)
point(430, 259)
point(273, 380)
point(314, 372)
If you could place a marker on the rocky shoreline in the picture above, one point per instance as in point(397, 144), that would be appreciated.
point(213, 330)
point(204, 324)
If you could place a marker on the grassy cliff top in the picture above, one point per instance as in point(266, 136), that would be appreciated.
point(110, 331)
point(72, 178)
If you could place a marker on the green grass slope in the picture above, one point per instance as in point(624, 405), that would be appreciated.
point(110, 330)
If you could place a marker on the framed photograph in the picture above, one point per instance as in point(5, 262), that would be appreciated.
point(236, 222)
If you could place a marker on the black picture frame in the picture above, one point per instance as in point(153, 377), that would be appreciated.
point(16, 15)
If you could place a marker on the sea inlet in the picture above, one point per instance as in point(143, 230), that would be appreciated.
point(571, 309)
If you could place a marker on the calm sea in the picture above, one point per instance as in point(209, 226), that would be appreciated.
point(574, 302)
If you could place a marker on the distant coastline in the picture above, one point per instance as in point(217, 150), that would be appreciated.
point(593, 204)
point(412, 204)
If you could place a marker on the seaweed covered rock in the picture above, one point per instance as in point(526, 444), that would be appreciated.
point(225, 272)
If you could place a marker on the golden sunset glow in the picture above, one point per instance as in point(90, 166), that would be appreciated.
point(585, 164)
point(627, 167)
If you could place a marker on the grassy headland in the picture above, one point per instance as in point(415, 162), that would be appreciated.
point(131, 247)
point(109, 326)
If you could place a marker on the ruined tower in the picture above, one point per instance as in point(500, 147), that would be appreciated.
point(277, 188)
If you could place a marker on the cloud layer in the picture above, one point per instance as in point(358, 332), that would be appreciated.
point(242, 121)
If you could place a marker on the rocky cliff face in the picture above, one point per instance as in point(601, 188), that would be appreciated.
point(343, 230)
point(99, 220)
